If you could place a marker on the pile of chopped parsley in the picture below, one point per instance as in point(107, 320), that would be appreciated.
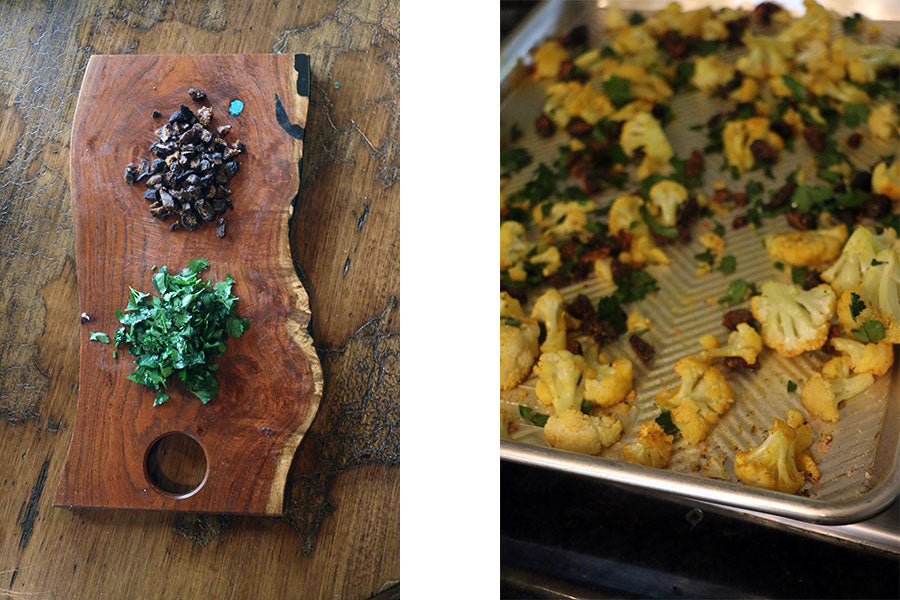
point(182, 331)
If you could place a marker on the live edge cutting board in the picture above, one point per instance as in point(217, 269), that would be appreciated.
point(270, 379)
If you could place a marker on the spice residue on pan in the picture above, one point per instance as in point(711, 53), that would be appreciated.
point(236, 107)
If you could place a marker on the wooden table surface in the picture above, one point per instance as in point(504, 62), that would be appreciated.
point(339, 536)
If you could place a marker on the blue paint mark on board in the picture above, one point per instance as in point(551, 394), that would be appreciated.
point(236, 107)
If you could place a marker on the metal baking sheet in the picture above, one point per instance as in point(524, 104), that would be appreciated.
point(860, 466)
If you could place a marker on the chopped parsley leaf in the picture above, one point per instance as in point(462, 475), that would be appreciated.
point(664, 420)
point(791, 387)
point(778, 265)
point(856, 305)
point(636, 18)
point(513, 160)
point(736, 292)
point(871, 331)
point(512, 322)
point(875, 263)
point(618, 90)
point(851, 23)
point(706, 256)
point(515, 133)
point(796, 88)
point(854, 114)
point(586, 407)
point(657, 227)
point(728, 265)
point(798, 274)
point(532, 416)
point(718, 229)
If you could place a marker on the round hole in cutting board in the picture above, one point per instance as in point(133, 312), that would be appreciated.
point(176, 464)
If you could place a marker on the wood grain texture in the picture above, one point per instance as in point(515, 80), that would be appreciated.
point(339, 536)
point(270, 379)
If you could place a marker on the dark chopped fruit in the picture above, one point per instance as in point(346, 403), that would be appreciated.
point(812, 279)
point(862, 181)
point(735, 317)
point(156, 114)
point(854, 140)
point(736, 362)
point(814, 138)
point(846, 216)
point(736, 29)
point(740, 199)
point(191, 166)
point(694, 166)
point(674, 43)
point(688, 211)
point(762, 151)
point(568, 251)
point(197, 95)
point(593, 183)
point(763, 12)
point(573, 346)
point(601, 331)
point(624, 240)
point(740, 222)
point(620, 271)
point(800, 220)
point(782, 196)
point(578, 127)
point(641, 348)
point(220, 227)
point(544, 126)
point(565, 69)
point(577, 36)
point(721, 196)
point(878, 205)
point(784, 130)
point(834, 331)
point(581, 307)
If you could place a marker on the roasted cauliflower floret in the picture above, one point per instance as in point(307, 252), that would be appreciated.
point(886, 180)
point(793, 321)
point(879, 291)
point(548, 58)
point(636, 321)
point(882, 121)
point(766, 57)
point(815, 24)
point(575, 431)
point(780, 463)
point(625, 215)
point(821, 396)
point(614, 17)
point(697, 403)
point(563, 220)
point(569, 99)
point(856, 258)
point(653, 447)
point(875, 358)
point(668, 196)
point(550, 258)
point(559, 380)
point(744, 342)
point(518, 342)
point(807, 248)
point(550, 310)
point(643, 131)
point(738, 136)
point(711, 72)
point(606, 385)
point(513, 245)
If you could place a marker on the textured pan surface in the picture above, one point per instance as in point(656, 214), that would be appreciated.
point(852, 481)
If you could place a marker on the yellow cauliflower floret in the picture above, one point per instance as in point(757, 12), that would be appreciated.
point(886, 180)
point(603, 269)
point(712, 242)
point(807, 248)
point(653, 447)
point(697, 403)
point(624, 212)
point(856, 257)
point(668, 196)
point(746, 92)
point(793, 321)
point(738, 136)
point(711, 72)
point(744, 342)
point(874, 358)
point(644, 251)
point(643, 85)
point(821, 396)
point(518, 342)
point(713, 29)
point(822, 62)
point(559, 380)
point(550, 310)
point(513, 245)
point(636, 321)
point(606, 385)
point(766, 57)
point(882, 121)
point(575, 431)
point(814, 25)
point(643, 131)
point(548, 58)
point(879, 291)
point(550, 258)
point(625, 215)
point(779, 463)
point(614, 17)
point(573, 99)
point(634, 40)
point(564, 219)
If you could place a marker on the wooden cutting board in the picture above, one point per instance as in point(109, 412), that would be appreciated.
point(270, 379)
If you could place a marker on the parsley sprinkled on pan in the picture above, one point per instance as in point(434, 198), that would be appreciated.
point(182, 331)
